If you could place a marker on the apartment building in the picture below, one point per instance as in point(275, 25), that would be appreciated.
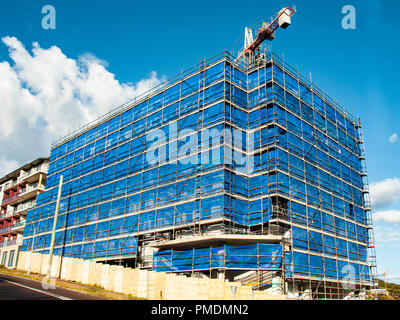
point(18, 192)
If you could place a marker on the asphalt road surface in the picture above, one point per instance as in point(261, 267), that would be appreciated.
point(17, 288)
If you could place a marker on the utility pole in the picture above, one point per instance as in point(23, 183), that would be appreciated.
point(53, 235)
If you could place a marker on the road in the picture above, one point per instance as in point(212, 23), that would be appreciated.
point(17, 288)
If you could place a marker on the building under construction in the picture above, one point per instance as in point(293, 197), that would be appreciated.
point(238, 168)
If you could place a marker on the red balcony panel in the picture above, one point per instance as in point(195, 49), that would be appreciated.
point(10, 199)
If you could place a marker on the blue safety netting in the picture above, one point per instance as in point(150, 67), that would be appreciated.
point(319, 267)
point(251, 257)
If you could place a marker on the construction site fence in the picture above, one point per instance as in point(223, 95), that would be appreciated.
point(143, 284)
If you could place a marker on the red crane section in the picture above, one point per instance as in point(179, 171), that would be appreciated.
point(266, 32)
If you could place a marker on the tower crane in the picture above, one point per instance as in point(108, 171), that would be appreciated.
point(384, 275)
point(266, 32)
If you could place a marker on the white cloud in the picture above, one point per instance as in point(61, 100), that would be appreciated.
point(393, 138)
point(385, 193)
point(390, 216)
point(386, 235)
point(45, 94)
point(392, 277)
point(7, 165)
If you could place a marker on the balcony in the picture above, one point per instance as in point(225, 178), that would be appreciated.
point(8, 214)
point(13, 242)
point(11, 184)
point(29, 176)
point(19, 210)
point(24, 207)
point(19, 226)
point(26, 193)
point(10, 199)
point(33, 174)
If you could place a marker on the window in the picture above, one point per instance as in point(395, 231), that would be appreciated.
point(351, 209)
point(4, 258)
point(279, 207)
point(11, 258)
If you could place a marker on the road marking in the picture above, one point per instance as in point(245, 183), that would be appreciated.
point(37, 290)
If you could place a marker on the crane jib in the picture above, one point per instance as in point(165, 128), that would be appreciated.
point(264, 34)
point(267, 33)
point(273, 26)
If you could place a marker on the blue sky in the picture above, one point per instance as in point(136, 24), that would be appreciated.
point(132, 39)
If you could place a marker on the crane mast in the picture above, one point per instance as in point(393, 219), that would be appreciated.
point(266, 32)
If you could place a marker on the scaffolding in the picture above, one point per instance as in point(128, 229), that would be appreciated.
point(307, 185)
